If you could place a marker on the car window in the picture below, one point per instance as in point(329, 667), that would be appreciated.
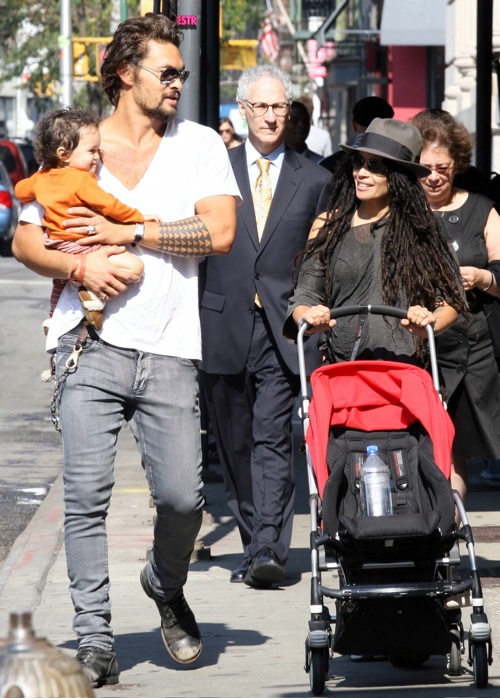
point(20, 170)
point(7, 158)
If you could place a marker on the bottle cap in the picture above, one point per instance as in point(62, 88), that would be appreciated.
point(372, 449)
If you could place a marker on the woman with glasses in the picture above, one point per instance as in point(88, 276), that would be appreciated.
point(466, 353)
point(228, 134)
point(378, 243)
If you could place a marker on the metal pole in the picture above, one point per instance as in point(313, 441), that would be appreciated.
point(189, 19)
point(123, 10)
point(211, 63)
point(483, 85)
point(170, 8)
point(66, 55)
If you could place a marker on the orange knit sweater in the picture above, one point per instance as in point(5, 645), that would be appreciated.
point(59, 189)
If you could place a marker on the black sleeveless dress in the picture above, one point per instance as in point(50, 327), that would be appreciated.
point(465, 352)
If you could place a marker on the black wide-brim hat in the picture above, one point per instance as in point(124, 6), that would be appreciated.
point(393, 140)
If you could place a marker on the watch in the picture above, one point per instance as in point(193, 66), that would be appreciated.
point(139, 234)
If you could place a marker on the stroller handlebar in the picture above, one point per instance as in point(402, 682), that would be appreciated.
point(347, 310)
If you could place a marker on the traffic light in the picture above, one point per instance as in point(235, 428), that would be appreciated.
point(87, 62)
point(238, 54)
point(146, 6)
point(80, 61)
point(44, 90)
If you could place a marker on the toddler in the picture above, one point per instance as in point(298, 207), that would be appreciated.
point(67, 146)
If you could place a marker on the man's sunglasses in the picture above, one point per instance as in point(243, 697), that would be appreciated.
point(167, 75)
point(376, 167)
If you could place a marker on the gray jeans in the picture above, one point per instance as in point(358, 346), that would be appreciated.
point(158, 396)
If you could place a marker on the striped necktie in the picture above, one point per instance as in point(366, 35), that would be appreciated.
point(263, 195)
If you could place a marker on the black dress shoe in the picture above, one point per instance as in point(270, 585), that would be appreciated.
point(265, 570)
point(98, 665)
point(179, 630)
point(238, 575)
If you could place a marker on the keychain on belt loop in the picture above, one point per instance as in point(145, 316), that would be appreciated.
point(71, 366)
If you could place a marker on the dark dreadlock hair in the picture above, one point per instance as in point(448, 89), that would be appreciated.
point(416, 258)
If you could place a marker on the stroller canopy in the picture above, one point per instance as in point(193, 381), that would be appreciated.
point(375, 396)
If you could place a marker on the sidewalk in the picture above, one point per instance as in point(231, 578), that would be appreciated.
point(253, 639)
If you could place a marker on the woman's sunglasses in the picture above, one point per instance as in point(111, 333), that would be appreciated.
point(376, 167)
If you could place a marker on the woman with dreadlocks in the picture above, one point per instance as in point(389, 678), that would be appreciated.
point(378, 243)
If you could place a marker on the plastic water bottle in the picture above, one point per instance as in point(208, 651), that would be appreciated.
point(375, 480)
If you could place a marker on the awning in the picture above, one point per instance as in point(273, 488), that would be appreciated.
point(413, 23)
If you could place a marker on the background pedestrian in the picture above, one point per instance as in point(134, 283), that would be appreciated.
point(297, 129)
point(228, 134)
point(319, 139)
point(363, 113)
point(466, 352)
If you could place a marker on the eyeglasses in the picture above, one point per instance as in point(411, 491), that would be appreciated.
point(441, 169)
point(261, 108)
point(376, 167)
point(167, 75)
point(224, 130)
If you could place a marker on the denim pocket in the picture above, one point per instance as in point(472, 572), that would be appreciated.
point(187, 362)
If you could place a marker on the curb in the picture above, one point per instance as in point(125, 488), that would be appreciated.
point(24, 571)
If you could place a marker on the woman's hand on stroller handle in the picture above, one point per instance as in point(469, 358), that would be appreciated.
point(417, 319)
point(317, 318)
point(326, 317)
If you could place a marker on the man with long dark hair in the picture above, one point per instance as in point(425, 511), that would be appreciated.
point(142, 366)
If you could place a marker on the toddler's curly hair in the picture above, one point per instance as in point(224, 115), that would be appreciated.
point(60, 128)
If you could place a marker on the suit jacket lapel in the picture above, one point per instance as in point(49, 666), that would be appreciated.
point(246, 211)
point(288, 183)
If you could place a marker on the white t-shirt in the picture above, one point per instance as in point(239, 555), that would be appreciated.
point(319, 141)
point(158, 315)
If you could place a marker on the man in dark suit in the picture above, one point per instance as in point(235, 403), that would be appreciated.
point(250, 372)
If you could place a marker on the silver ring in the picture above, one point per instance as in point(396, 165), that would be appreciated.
point(91, 230)
point(104, 297)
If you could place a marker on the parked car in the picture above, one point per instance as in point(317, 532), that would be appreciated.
point(12, 157)
point(26, 147)
point(9, 211)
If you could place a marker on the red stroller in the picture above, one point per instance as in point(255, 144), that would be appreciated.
point(396, 574)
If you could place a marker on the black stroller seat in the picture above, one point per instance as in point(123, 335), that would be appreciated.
point(398, 550)
point(422, 499)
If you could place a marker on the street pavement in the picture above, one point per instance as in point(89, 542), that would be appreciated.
point(30, 457)
point(253, 639)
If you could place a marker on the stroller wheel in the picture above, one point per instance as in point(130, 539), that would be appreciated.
point(408, 661)
point(318, 669)
point(480, 664)
point(454, 657)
